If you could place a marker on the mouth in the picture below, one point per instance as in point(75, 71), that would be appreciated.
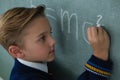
point(52, 51)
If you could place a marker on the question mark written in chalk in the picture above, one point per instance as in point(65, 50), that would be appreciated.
point(98, 21)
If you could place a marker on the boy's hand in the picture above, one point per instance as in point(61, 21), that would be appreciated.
point(99, 41)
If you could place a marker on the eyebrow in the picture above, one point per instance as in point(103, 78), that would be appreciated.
point(42, 33)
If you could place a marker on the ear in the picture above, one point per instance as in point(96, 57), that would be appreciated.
point(15, 51)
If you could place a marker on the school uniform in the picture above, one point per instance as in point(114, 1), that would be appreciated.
point(25, 70)
point(96, 69)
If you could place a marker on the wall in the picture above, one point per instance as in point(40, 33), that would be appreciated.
point(69, 20)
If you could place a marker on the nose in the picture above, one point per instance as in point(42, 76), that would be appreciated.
point(52, 41)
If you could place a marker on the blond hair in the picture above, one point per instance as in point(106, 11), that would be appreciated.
point(14, 21)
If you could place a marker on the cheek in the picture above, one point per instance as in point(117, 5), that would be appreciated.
point(37, 48)
point(44, 49)
point(38, 51)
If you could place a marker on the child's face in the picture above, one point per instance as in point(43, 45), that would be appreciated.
point(38, 43)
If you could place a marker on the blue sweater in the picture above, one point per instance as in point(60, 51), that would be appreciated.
point(96, 69)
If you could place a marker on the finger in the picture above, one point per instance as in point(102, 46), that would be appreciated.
point(106, 35)
point(94, 33)
point(100, 34)
point(100, 31)
point(89, 33)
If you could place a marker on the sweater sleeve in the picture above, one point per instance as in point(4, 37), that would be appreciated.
point(96, 69)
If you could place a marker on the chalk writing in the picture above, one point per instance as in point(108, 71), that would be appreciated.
point(50, 9)
point(99, 19)
point(65, 13)
point(69, 17)
point(83, 30)
point(31, 4)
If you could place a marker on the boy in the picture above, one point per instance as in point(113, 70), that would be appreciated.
point(26, 34)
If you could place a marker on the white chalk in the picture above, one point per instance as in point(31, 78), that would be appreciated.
point(98, 25)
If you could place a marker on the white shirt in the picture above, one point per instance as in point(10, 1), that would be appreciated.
point(39, 66)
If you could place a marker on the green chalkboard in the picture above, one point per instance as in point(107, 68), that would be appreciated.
point(69, 20)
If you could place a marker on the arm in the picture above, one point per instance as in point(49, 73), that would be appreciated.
point(98, 66)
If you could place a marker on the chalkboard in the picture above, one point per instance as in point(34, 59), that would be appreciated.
point(69, 20)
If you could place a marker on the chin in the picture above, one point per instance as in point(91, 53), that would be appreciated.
point(51, 59)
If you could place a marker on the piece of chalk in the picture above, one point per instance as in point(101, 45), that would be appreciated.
point(98, 25)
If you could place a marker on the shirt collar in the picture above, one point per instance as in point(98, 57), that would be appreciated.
point(39, 66)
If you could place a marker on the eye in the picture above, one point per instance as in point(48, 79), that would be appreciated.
point(51, 32)
point(42, 38)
